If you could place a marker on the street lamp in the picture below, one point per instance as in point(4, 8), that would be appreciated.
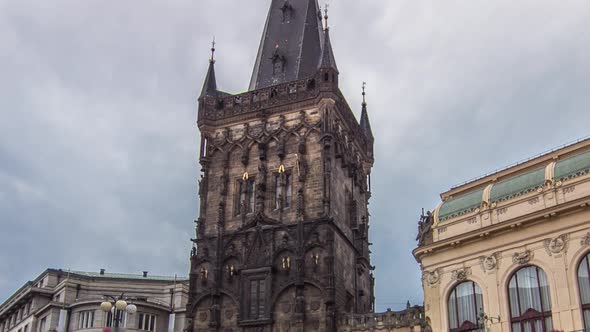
point(120, 306)
point(484, 320)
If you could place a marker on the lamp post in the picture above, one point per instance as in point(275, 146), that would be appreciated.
point(117, 306)
point(484, 320)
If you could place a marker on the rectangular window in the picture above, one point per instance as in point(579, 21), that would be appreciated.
point(251, 192)
point(288, 190)
point(26, 328)
point(245, 196)
point(277, 192)
point(122, 319)
point(42, 324)
point(257, 298)
point(86, 319)
point(146, 322)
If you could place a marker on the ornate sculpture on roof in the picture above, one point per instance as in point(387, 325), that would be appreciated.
point(425, 228)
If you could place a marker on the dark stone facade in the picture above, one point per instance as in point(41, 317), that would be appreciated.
point(282, 237)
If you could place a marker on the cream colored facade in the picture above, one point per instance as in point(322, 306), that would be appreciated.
point(532, 214)
point(61, 301)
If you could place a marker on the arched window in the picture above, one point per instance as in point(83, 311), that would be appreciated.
point(465, 305)
point(530, 301)
point(584, 284)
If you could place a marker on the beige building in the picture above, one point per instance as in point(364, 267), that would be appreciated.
point(509, 251)
point(62, 301)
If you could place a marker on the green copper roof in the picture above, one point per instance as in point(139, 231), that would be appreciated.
point(518, 186)
point(461, 205)
point(573, 167)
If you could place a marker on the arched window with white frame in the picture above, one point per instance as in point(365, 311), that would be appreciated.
point(584, 285)
point(464, 307)
point(530, 301)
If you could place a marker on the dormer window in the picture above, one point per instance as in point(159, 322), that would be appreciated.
point(278, 62)
point(287, 10)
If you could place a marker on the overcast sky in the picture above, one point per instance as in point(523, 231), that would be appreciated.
point(98, 142)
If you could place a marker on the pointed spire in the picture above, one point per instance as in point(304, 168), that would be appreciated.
point(365, 123)
point(296, 27)
point(210, 85)
point(327, 60)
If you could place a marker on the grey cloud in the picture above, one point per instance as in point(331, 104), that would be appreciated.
point(98, 140)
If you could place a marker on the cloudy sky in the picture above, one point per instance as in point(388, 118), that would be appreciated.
point(98, 142)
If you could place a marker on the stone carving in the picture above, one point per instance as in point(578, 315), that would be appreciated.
point(489, 263)
point(431, 278)
point(556, 245)
point(461, 274)
point(425, 228)
point(522, 258)
point(586, 240)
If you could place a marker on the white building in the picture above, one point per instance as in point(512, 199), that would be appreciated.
point(68, 301)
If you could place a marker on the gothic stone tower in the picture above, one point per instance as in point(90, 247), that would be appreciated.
point(282, 235)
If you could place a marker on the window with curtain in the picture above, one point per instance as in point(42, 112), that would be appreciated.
point(465, 305)
point(530, 301)
point(584, 284)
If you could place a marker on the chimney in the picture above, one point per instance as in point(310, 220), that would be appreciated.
point(101, 272)
point(145, 273)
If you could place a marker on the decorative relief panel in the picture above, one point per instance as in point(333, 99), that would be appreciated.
point(431, 278)
point(461, 274)
point(556, 245)
point(490, 263)
point(586, 240)
point(522, 258)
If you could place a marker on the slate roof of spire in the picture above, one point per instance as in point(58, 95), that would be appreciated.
point(365, 123)
point(291, 45)
point(210, 85)
point(328, 60)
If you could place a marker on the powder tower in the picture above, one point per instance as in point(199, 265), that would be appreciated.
point(282, 235)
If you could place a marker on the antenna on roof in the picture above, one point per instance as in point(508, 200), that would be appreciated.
point(212, 60)
point(326, 6)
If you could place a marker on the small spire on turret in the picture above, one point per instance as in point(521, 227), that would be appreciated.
point(327, 60)
point(365, 123)
point(210, 84)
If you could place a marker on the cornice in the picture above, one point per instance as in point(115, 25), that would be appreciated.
point(537, 216)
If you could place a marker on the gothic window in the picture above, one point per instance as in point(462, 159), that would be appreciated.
point(283, 191)
point(245, 196)
point(464, 306)
point(277, 192)
point(257, 305)
point(530, 301)
point(288, 190)
point(584, 284)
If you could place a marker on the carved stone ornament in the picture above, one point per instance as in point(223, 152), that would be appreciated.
point(522, 258)
point(586, 240)
point(431, 279)
point(489, 263)
point(556, 245)
point(461, 274)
